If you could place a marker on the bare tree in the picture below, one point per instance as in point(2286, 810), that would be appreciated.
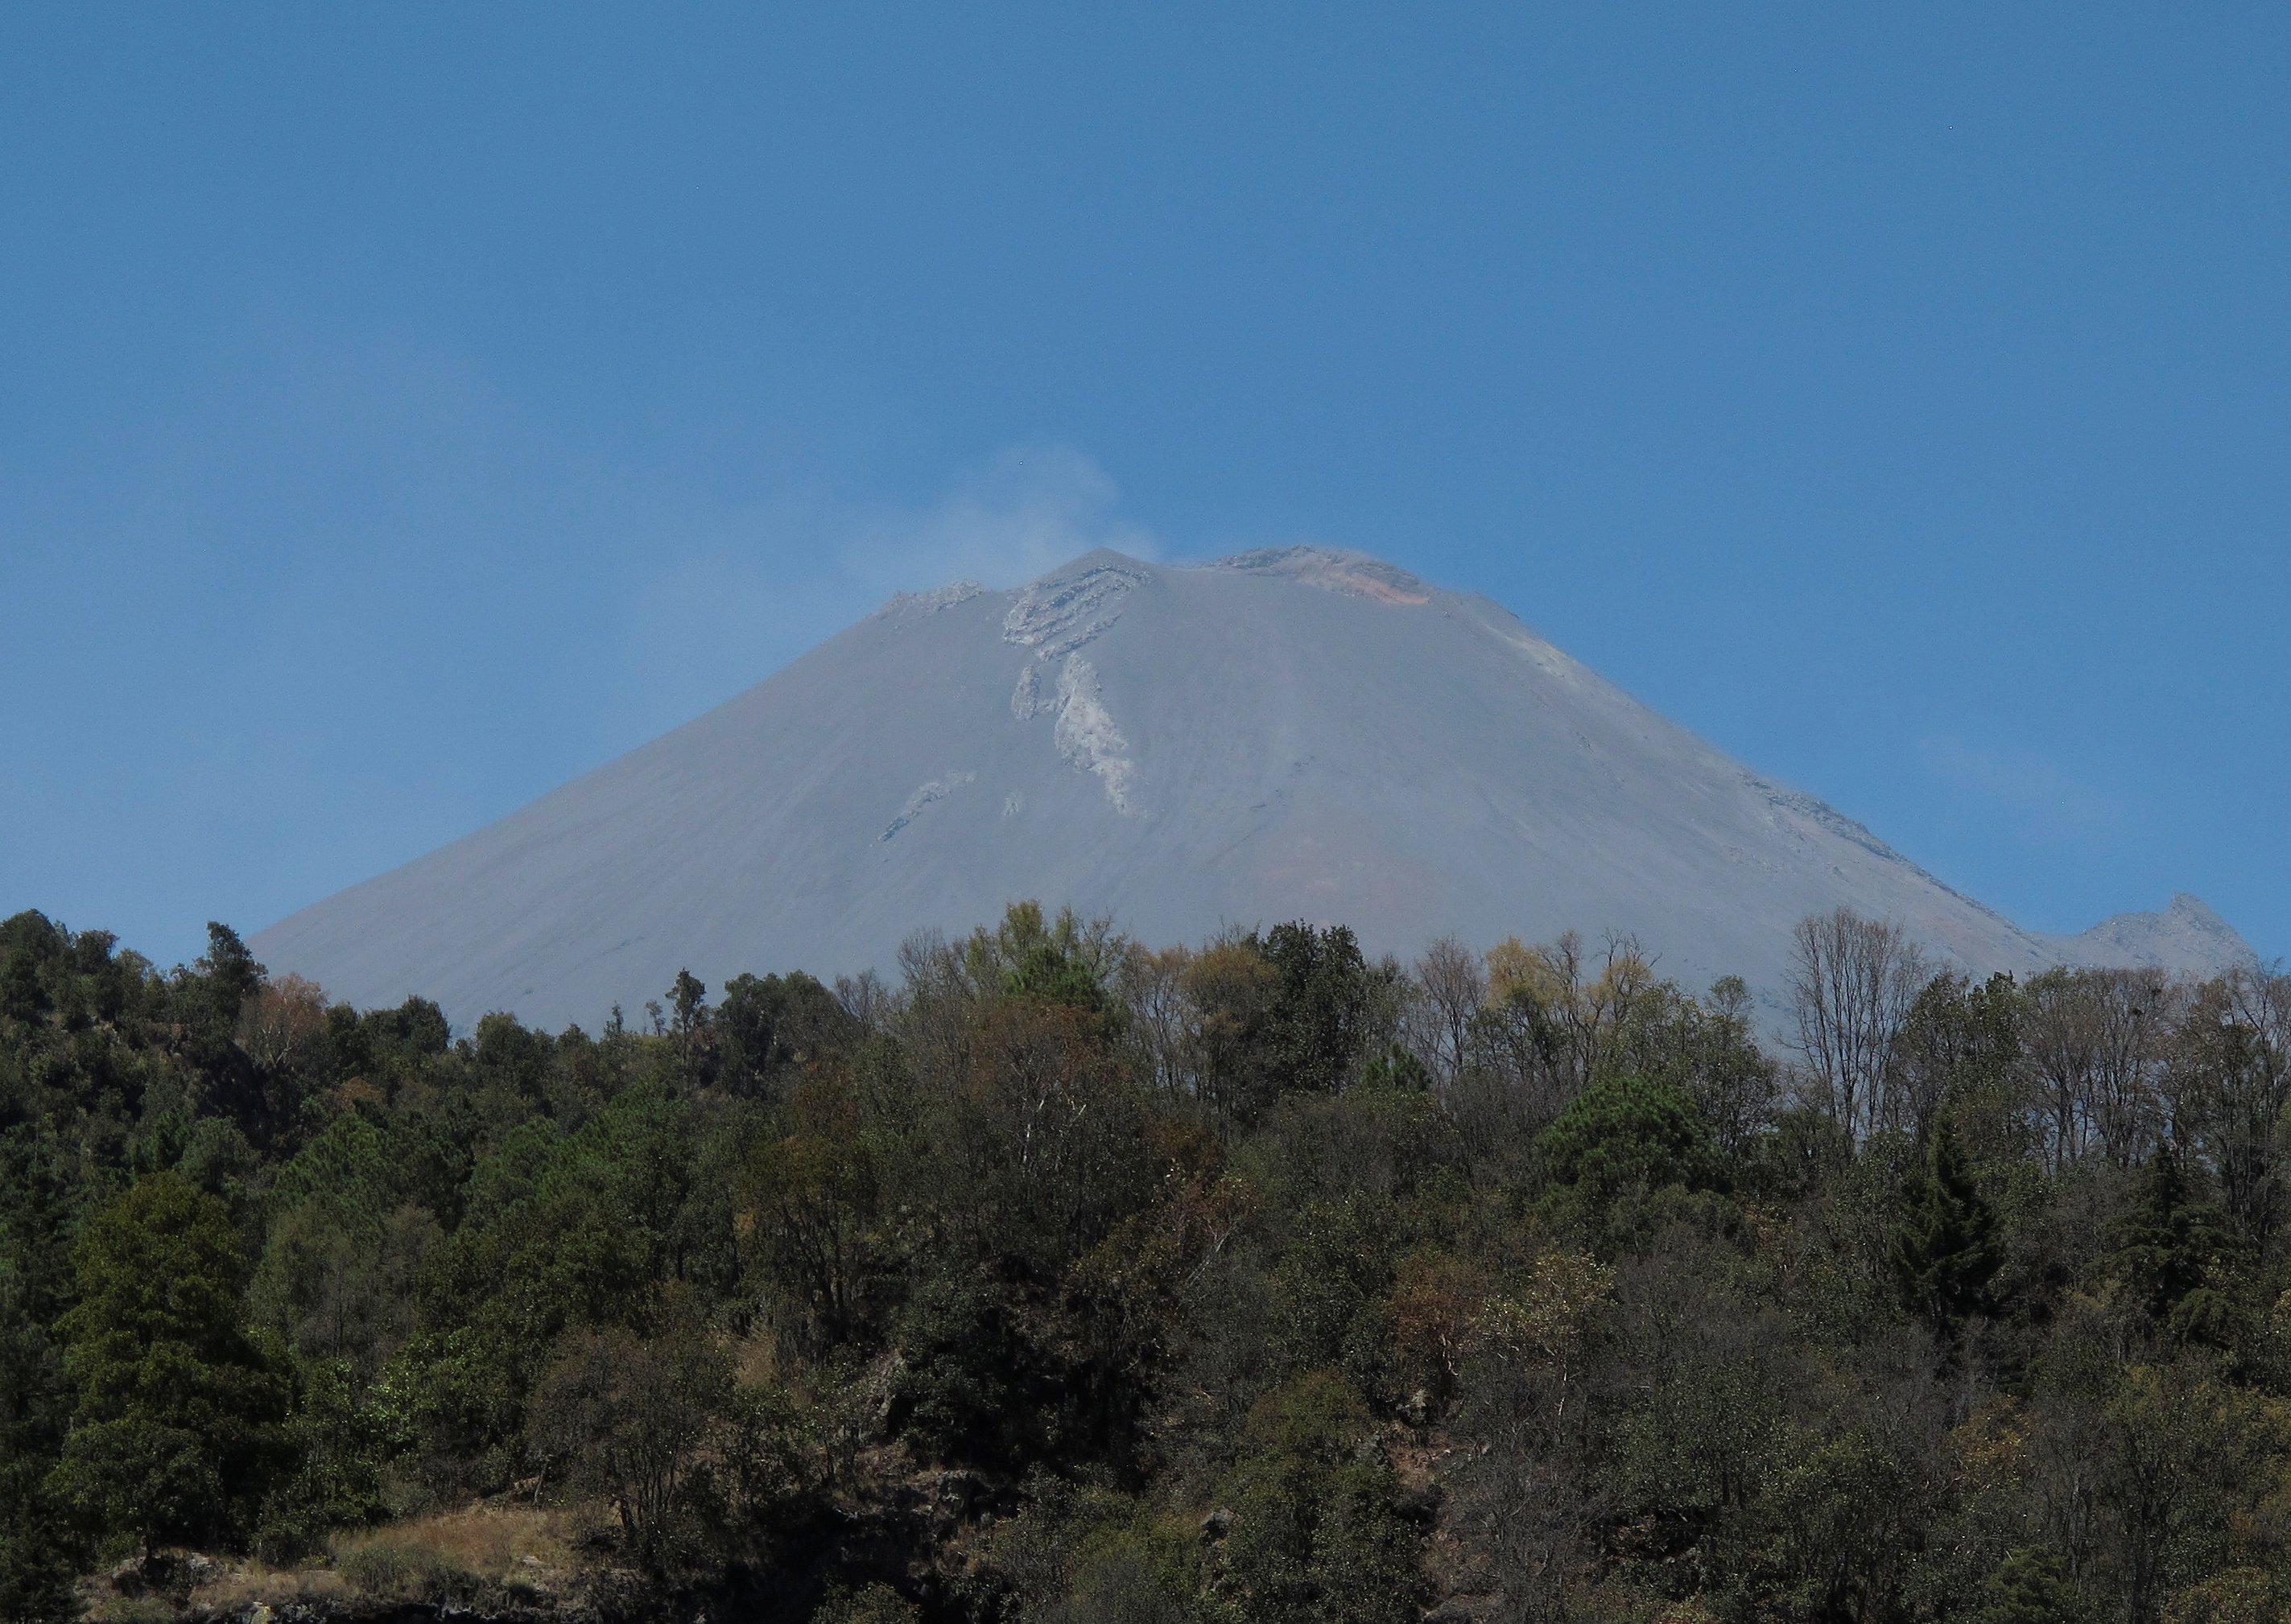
point(1854, 981)
point(2136, 1011)
point(865, 999)
point(2230, 1085)
point(2095, 1040)
point(2061, 1039)
point(1151, 986)
point(1450, 986)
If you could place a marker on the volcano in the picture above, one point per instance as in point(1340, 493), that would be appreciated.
point(1290, 733)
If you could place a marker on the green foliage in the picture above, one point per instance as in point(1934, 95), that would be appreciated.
point(1628, 1136)
point(1060, 961)
point(1323, 1012)
point(1948, 1248)
point(964, 1389)
point(1316, 1531)
point(1834, 1508)
point(625, 1417)
point(2031, 1586)
point(1333, 1272)
point(35, 1545)
point(341, 1449)
point(2177, 1256)
point(768, 1026)
point(1218, 1280)
point(176, 1409)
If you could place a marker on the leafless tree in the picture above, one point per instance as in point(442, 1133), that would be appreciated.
point(1450, 986)
point(1852, 983)
point(865, 999)
point(1152, 986)
point(2061, 1034)
point(2095, 1040)
point(2230, 1086)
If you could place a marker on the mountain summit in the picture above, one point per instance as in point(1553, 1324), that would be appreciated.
point(1294, 733)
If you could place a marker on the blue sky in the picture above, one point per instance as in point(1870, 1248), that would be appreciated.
point(408, 408)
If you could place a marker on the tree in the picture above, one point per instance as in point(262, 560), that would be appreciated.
point(285, 1021)
point(625, 1416)
point(1628, 1133)
point(1451, 985)
point(767, 1024)
point(808, 1201)
point(1960, 1045)
point(176, 1408)
point(35, 1566)
point(1852, 983)
point(23, 997)
point(2176, 1254)
point(2031, 1586)
point(2186, 1460)
point(2094, 1039)
point(688, 1022)
point(1319, 1022)
point(1950, 1246)
point(228, 974)
point(1572, 1014)
point(1317, 1536)
point(2234, 1081)
point(1231, 989)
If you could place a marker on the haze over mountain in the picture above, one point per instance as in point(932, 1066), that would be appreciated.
point(1288, 734)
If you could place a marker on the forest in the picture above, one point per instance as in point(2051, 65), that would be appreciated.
point(1058, 1279)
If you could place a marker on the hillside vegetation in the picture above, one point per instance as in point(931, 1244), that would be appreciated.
point(1067, 1280)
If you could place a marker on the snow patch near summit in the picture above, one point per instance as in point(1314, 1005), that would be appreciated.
point(1056, 617)
point(1086, 734)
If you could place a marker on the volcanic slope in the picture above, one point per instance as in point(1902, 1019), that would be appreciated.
point(1288, 733)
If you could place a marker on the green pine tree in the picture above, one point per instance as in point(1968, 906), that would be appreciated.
point(2175, 1253)
point(1950, 1246)
point(176, 1409)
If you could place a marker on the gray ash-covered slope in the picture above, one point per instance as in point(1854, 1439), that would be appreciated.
point(1296, 733)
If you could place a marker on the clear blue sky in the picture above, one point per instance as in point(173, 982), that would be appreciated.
point(405, 408)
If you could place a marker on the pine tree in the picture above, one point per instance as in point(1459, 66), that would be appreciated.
point(176, 1409)
point(2175, 1253)
point(1948, 1248)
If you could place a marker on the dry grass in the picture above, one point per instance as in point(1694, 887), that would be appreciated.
point(451, 1555)
point(236, 1588)
point(486, 1543)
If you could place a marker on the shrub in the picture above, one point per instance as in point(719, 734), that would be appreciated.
point(399, 1571)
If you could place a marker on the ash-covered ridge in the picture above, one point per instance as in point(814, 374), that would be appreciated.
point(1293, 732)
